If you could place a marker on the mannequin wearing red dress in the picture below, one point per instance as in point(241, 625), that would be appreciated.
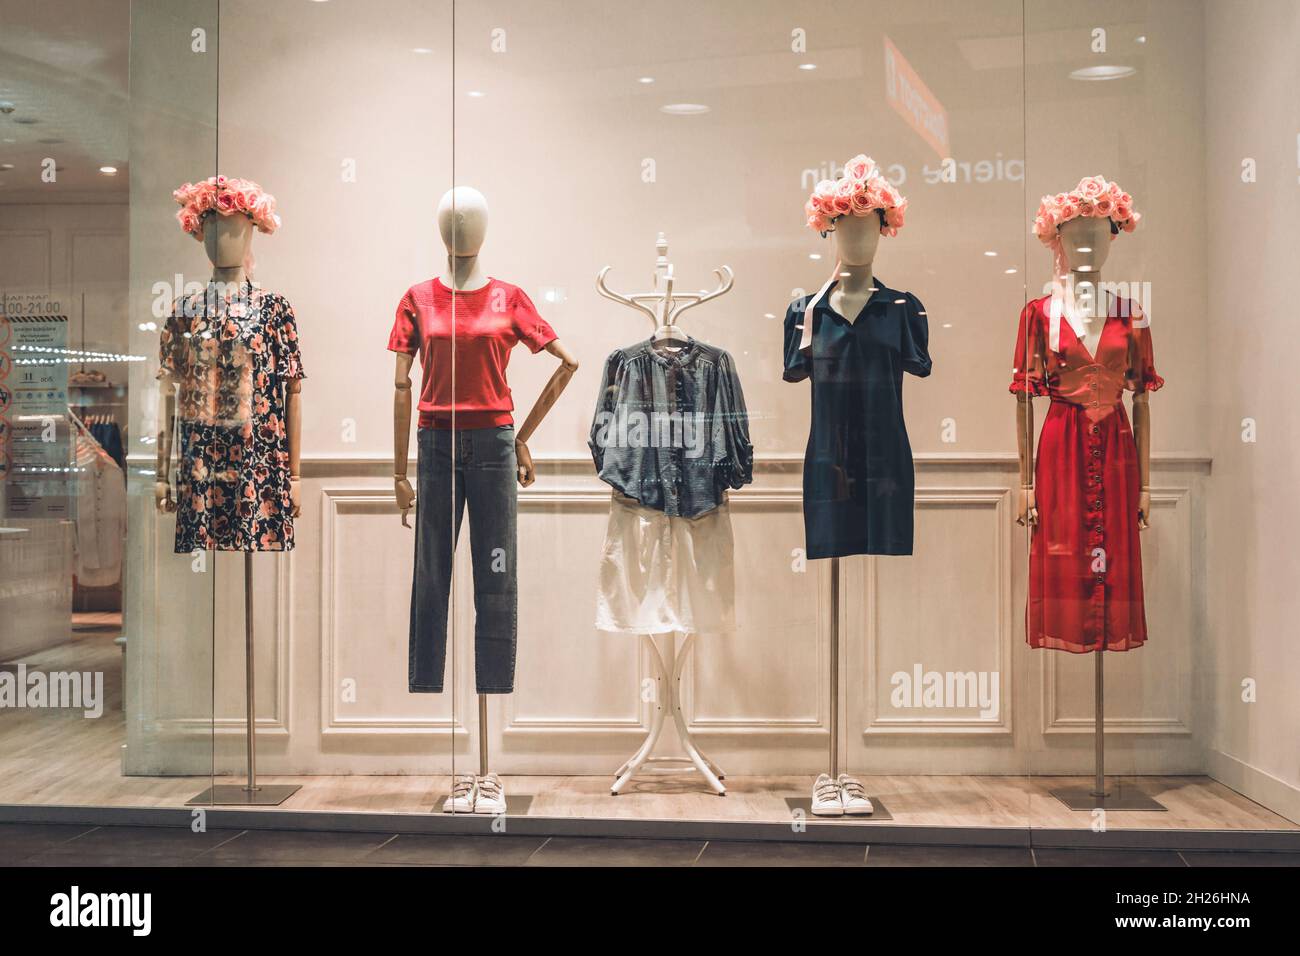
point(1088, 494)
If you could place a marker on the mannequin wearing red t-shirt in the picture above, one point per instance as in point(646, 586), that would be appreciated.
point(464, 326)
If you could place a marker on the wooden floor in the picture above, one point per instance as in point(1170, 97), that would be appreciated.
point(59, 758)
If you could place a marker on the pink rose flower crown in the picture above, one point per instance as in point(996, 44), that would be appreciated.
point(861, 191)
point(225, 196)
point(1093, 197)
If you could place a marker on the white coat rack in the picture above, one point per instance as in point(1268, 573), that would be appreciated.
point(663, 307)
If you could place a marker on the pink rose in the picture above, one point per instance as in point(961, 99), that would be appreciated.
point(225, 203)
point(1091, 187)
point(1104, 205)
point(1123, 212)
point(860, 167)
point(862, 203)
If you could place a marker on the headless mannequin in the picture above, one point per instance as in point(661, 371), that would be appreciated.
point(462, 223)
point(1086, 243)
point(856, 241)
point(227, 241)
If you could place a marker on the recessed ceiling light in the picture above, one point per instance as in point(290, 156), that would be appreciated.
point(1084, 249)
point(1104, 71)
point(814, 255)
point(6, 166)
point(420, 49)
point(807, 66)
point(646, 80)
point(989, 252)
point(1140, 39)
point(477, 94)
point(684, 109)
point(1009, 272)
point(108, 170)
point(947, 325)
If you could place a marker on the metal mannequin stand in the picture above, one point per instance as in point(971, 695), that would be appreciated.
point(251, 793)
point(804, 804)
point(668, 679)
point(1097, 796)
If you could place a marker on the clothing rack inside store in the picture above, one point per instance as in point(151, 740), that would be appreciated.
point(663, 306)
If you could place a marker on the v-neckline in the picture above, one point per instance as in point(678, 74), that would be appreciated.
point(877, 288)
point(1082, 339)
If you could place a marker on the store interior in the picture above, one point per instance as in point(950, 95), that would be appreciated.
point(631, 138)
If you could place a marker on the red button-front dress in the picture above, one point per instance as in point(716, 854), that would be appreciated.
point(1085, 560)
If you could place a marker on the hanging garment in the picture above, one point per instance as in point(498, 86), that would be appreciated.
point(858, 480)
point(101, 514)
point(665, 574)
point(671, 430)
point(231, 354)
point(671, 437)
point(1085, 558)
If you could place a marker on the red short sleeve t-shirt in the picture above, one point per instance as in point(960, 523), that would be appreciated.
point(473, 347)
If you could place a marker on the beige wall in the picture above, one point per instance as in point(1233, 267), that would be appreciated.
point(1252, 113)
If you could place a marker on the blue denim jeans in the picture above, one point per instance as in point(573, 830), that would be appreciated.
point(472, 468)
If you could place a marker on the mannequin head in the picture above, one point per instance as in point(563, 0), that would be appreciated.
point(228, 240)
point(857, 238)
point(462, 221)
point(1085, 242)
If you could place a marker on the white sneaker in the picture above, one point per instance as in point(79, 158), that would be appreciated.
point(854, 797)
point(826, 800)
point(464, 788)
point(491, 795)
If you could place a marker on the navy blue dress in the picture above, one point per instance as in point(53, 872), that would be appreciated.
point(858, 481)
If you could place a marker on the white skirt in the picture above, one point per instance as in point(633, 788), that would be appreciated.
point(662, 574)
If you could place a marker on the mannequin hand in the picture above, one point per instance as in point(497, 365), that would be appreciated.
point(525, 459)
point(1144, 510)
point(1027, 508)
point(295, 497)
point(162, 496)
point(405, 499)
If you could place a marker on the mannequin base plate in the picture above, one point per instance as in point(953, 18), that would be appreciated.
point(515, 807)
point(237, 795)
point(804, 805)
point(1117, 797)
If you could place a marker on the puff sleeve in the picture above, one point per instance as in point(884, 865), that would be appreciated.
point(914, 344)
point(284, 341)
point(798, 366)
point(603, 423)
point(733, 453)
point(1028, 370)
point(1142, 364)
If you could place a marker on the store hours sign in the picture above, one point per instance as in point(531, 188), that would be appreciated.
point(35, 439)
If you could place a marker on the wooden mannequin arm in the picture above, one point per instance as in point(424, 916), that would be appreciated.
point(1027, 506)
point(162, 478)
point(545, 401)
point(402, 434)
point(1142, 437)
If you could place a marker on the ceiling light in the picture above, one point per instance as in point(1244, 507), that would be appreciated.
point(989, 252)
point(476, 94)
point(6, 166)
point(1141, 39)
point(807, 66)
point(684, 109)
point(1009, 272)
point(646, 80)
point(814, 255)
point(420, 49)
point(1105, 71)
point(108, 170)
point(1084, 249)
point(947, 325)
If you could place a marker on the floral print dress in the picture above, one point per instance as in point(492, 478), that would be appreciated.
point(231, 351)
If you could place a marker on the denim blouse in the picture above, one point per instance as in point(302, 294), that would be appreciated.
point(670, 429)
